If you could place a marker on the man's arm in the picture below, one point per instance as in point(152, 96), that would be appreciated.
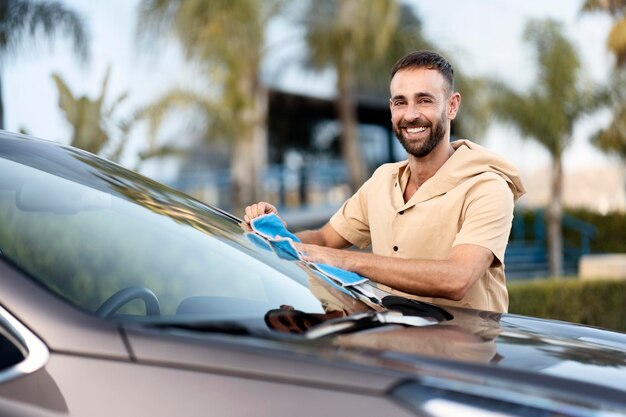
point(326, 236)
point(448, 278)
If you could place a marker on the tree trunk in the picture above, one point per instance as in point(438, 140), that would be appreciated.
point(555, 213)
point(346, 101)
point(346, 109)
point(249, 155)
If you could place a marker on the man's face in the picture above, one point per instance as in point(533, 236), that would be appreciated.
point(290, 320)
point(421, 109)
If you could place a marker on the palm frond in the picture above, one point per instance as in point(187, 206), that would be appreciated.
point(616, 42)
point(612, 139)
point(175, 100)
point(614, 7)
point(154, 19)
point(67, 101)
point(475, 116)
point(24, 19)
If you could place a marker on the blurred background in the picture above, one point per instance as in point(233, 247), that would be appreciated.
point(236, 101)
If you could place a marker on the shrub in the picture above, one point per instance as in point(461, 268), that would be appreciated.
point(596, 303)
point(611, 229)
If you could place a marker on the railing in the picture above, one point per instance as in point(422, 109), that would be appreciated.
point(526, 255)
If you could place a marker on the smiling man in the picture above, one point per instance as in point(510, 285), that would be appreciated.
point(438, 223)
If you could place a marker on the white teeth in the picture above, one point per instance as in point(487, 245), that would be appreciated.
point(415, 129)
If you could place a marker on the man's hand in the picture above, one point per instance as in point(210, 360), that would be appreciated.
point(326, 236)
point(259, 209)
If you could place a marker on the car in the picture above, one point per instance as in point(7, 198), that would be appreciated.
point(122, 297)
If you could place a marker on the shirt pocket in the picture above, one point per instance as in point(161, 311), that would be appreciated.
point(426, 233)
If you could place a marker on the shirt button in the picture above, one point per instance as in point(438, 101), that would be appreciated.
point(401, 212)
point(395, 249)
point(395, 184)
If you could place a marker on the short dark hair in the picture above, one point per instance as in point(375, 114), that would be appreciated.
point(426, 59)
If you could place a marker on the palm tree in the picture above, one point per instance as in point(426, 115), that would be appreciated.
point(23, 19)
point(360, 41)
point(96, 127)
point(227, 39)
point(548, 112)
point(612, 139)
point(91, 121)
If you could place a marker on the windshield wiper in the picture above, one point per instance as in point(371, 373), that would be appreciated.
point(226, 327)
point(364, 321)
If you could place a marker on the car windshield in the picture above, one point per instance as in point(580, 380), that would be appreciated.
point(89, 230)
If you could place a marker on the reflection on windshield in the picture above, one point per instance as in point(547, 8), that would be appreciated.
point(88, 236)
point(289, 320)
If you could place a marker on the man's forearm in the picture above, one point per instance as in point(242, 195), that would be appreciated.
point(429, 278)
point(449, 278)
point(312, 237)
point(326, 236)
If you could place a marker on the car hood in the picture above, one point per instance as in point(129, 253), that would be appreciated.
point(501, 344)
point(501, 341)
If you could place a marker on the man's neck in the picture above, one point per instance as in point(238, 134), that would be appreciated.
point(424, 168)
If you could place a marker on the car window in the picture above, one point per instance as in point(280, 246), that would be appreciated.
point(86, 243)
point(21, 352)
point(10, 355)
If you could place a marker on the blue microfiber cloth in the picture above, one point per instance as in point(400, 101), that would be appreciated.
point(272, 228)
point(336, 285)
point(258, 241)
point(281, 246)
point(344, 277)
point(284, 249)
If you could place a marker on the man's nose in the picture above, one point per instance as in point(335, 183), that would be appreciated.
point(412, 112)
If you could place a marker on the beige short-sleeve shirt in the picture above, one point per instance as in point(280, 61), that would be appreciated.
point(458, 205)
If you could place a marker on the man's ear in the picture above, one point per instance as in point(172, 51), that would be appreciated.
point(454, 102)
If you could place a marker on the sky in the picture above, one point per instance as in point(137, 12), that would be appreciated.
point(485, 38)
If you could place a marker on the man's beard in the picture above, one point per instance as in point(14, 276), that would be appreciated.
point(421, 149)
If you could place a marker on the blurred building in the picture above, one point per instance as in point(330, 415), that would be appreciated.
point(304, 159)
point(305, 167)
point(601, 189)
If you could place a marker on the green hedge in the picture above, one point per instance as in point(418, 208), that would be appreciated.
point(597, 303)
point(611, 229)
